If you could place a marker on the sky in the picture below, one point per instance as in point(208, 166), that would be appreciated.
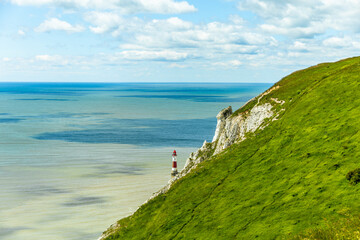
point(172, 40)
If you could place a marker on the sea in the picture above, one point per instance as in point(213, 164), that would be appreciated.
point(77, 157)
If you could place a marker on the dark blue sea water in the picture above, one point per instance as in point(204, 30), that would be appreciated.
point(78, 156)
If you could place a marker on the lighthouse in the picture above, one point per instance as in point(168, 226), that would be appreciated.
point(174, 171)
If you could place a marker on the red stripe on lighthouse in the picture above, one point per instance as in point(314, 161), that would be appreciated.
point(174, 164)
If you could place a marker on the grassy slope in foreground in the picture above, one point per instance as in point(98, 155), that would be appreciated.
point(284, 179)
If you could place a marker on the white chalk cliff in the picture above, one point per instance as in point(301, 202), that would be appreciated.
point(232, 128)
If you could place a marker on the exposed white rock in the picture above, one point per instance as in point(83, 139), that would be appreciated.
point(281, 102)
point(257, 116)
point(109, 231)
point(222, 115)
point(234, 129)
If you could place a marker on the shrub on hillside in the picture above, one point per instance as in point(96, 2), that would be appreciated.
point(353, 176)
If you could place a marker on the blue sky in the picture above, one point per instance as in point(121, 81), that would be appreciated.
point(172, 40)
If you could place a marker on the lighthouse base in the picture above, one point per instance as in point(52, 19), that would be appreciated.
point(174, 173)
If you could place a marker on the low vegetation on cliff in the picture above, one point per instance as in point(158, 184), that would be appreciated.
point(287, 180)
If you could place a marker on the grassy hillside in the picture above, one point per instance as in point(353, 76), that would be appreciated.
point(284, 179)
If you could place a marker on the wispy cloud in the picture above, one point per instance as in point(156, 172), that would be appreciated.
point(56, 24)
point(124, 6)
point(104, 21)
point(164, 55)
point(305, 18)
point(228, 64)
point(201, 40)
point(130, 34)
point(21, 32)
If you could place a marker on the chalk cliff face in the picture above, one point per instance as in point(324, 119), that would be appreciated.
point(234, 129)
point(230, 129)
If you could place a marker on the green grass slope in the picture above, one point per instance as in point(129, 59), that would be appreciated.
point(286, 178)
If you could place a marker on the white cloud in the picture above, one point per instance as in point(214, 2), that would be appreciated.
point(104, 21)
point(173, 23)
point(284, 33)
point(235, 63)
point(338, 42)
point(45, 58)
point(21, 32)
point(299, 46)
point(305, 18)
point(6, 59)
point(294, 32)
point(164, 55)
point(229, 64)
point(345, 43)
point(237, 19)
point(174, 39)
point(165, 6)
point(125, 6)
point(176, 65)
point(56, 24)
point(177, 33)
point(52, 59)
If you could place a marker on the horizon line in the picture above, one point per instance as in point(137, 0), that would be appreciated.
point(145, 82)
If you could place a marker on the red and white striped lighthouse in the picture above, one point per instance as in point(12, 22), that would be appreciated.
point(174, 171)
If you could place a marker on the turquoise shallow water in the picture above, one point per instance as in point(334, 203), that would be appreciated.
point(74, 158)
